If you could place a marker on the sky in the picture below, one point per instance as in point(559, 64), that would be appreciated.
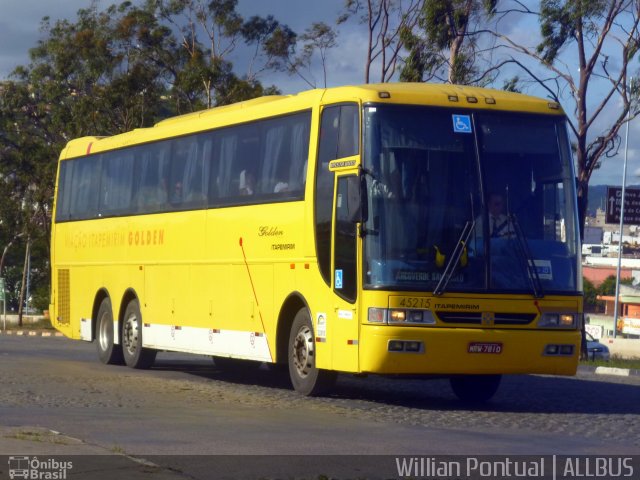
point(20, 31)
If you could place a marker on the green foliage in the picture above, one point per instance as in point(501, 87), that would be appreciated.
point(443, 46)
point(590, 293)
point(316, 40)
point(106, 72)
point(562, 21)
point(512, 85)
point(608, 286)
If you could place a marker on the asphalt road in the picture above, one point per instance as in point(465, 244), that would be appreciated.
point(185, 405)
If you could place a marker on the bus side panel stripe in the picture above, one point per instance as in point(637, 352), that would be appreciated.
point(206, 341)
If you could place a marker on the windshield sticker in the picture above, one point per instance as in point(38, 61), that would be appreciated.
point(544, 269)
point(462, 123)
point(338, 281)
point(417, 276)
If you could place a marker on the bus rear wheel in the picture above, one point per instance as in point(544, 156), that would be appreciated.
point(475, 388)
point(135, 356)
point(305, 377)
point(108, 352)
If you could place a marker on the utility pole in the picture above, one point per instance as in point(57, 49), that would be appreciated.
point(24, 280)
point(624, 183)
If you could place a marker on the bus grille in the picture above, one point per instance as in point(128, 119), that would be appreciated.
point(64, 299)
point(475, 318)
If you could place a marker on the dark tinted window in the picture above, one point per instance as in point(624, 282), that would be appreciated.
point(64, 190)
point(151, 170)
point(83, 198)
point(345, 246)
point(338, 138)
point(117, 182)
point(263, 161)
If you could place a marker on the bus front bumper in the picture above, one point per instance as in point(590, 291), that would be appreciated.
point(426, 350)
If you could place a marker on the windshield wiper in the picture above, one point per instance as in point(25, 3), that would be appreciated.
point(525, 253)
point(455, 257)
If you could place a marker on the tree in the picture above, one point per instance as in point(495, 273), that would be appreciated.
point(590, 294)
point(588, 47)
point(84, 78)
point(445, 46)
point(386, 20)
point(209, 33)
point(317, 39)
point(104, 73)
point(608, 286)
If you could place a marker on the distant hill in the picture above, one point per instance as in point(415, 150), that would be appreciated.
point(598, 197)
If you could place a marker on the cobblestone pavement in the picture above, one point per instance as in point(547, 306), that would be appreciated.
point(43, 376)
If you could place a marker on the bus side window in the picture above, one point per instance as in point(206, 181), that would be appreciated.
point(65, 185)
point(348, 131)
point(187, 189)
point(117, 179)
point(86, 181)
point(285, 149)
point(211, 162)
point(338, 138)
point(152, 167)
point(345, 284)
point(225, 154)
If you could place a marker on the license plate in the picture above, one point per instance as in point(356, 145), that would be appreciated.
point(477, 347)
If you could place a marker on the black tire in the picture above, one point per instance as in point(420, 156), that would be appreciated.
point(475, 389)
point(305, 377)
point(134, 355)
point(108, 352)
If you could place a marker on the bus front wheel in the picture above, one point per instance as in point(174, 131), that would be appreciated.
point(475, 388)
point(305, 377)
point(135, 356)
point(108, 352)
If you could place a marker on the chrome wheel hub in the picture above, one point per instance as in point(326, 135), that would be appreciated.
point(303, 351)
point(103, 333)
point(130, 334)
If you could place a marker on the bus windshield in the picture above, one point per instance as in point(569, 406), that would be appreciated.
point(432, 171)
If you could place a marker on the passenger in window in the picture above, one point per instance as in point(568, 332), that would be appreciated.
point(247, 183)
point(281, 187)
point(176, 193)
point(150, 196)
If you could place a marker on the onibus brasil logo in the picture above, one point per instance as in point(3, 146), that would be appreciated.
point(35, 469)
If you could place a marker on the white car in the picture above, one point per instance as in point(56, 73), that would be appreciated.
point(596, 350)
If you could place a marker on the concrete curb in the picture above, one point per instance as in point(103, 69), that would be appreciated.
point(31, 333)
point(618, 372)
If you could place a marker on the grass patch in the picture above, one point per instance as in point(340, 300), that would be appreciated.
point(117, 449)
point(38, 437)
point(41, 323)
point(616, 362)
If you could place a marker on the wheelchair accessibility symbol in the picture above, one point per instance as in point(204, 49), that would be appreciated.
point(461, 123)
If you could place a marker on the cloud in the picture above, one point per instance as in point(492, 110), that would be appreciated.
point(22, 32)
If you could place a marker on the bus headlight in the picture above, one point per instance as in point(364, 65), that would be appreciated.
point(398, 316)
point(557, 320)
point(377, 315)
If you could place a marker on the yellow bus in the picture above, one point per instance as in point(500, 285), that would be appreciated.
point(383, 228)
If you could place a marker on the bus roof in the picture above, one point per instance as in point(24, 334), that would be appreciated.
point(444, 95)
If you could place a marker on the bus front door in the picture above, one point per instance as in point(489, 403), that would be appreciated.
point(344, 321)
